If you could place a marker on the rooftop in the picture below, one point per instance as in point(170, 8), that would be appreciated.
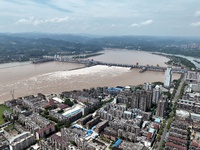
point(176, 146)
point(58, 99)
point(117, 143)
point(157, 120)
point(177, 139)
point(72, 110)
point(151, 130)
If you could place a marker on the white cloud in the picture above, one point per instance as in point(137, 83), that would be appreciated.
point(144, 23)
point(147, 22)
point(35, 22)
point(197, 13)
point(135, 25)
point(195, 24)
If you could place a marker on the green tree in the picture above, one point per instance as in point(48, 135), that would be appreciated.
point(68, 102)
point(158, 137)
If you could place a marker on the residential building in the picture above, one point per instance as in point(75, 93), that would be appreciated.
point(190, 105)
point(162, 106)
point(4, 144)
point(45, 131)
point(84, 120)
point(22, 141)
point(168, 77)
point(192, 77)
point(147, 86)
point(156, 94)
point(100, 126)
point(92, 122)
point(57, 141)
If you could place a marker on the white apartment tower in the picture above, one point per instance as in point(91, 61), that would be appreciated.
point(168, 77)
point(156, 94)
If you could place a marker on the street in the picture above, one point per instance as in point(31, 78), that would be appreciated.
point(174, 100)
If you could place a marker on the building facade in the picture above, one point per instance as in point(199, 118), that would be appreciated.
point(168, 77)
point(162, 106)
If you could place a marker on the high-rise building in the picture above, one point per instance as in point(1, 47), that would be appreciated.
point(147, 86)
point(162, 106)
point(168, 77)
point(142, 100)
point(135, 100)
point(156, 94)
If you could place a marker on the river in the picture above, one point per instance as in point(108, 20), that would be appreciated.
point(130, 57)
point(54, 77)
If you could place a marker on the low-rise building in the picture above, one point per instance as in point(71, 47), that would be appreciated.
point(45, 131)
point(22, 141)
point(192, 77)
point(172, 146)
point(110, 133)
point(100, 126)
point(190, 105)
point(4, 144)
point(84, 120)
point(57, 141)
point(93, 122)
point(150, 138)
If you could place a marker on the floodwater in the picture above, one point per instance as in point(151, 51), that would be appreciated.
point(131, 57)
point(55, 77)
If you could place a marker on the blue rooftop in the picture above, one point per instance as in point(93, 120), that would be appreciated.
point(117, 143)
point(151, 130)
point(72, 113)
point(157, 120)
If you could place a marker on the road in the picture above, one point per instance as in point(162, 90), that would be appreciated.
point(174, 100)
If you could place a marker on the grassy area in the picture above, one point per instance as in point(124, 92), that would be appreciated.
point(2, 109)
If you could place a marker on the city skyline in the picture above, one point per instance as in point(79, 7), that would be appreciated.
point(159, 18)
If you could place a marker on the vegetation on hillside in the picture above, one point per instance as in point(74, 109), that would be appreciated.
point(22, 47)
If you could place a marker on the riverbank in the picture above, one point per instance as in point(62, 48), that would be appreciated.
point(178, 61)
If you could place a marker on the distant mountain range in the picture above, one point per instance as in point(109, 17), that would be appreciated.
point(23, 46)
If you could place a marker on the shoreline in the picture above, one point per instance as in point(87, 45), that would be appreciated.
point(101, 52)
point(174, 58)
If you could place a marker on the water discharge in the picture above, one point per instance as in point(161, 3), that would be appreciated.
point(55, 77)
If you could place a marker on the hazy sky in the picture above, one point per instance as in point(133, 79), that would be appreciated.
point(102, 17)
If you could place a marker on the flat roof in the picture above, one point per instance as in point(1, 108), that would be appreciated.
point(151, 130)
point(128, 112)
point(183, 113)
point(72, 110)
point(117, 143)
point(196, 115)
point(58, 99)
point(157, 120)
